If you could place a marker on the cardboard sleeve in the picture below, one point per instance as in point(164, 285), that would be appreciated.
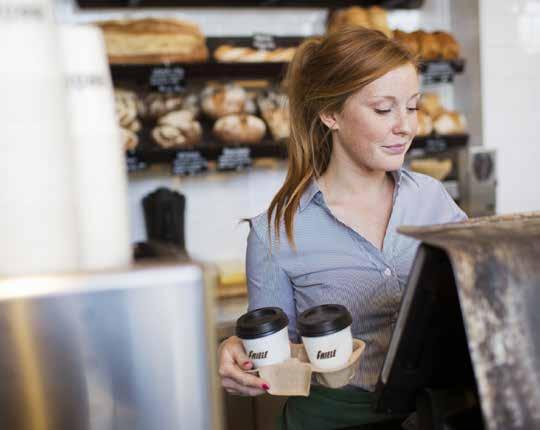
point(293, 377)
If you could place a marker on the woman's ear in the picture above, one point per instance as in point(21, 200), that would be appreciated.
point(330, 120)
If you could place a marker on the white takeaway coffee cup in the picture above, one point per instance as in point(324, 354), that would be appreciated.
point(264, 335)
point(326, 334)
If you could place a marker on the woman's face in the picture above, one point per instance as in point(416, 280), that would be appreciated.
point(378, 122)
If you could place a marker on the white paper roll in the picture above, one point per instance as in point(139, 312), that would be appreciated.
point(37, 223)
point(100, 168)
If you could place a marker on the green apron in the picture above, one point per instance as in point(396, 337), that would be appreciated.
point(329, 409)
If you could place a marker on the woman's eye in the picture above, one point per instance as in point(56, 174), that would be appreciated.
point(412, 109)
point(382, 111)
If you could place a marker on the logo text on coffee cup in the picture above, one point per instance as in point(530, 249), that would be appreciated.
point(257, 355)
point(321, 355)
point(21, 11)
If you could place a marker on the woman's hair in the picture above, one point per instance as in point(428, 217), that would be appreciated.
point(324, 72)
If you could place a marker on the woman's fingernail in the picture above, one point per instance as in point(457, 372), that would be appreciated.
point(247, 363)
point(265, 387)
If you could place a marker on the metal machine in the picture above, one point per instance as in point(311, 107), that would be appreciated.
point(119, 350)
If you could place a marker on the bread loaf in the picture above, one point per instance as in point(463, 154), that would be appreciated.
point(425, 124)
point(126, 107)
point(154, 105)
point(169, 137)
point(449, 48)
point(378, 20)
point(235, 54)
point(129, 139)
point(275, 111)
point(438, 169)
point(408, 40)
point(218, 101)
point(153, 40)
point(430, 103)
point(354, 16)
point(239, 129)
point(429, 45)
point(448, 123)
point(184, 121)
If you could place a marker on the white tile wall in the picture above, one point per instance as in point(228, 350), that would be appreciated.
point(510, 68)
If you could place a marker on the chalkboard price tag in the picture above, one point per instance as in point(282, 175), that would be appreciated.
point(436, 145)
point(189, 163)
point(168, 79)
point(134, 164)
point(438, 72)
point(263, 42)
point(234, 159)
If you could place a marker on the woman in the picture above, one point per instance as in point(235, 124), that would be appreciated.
point(329, 235)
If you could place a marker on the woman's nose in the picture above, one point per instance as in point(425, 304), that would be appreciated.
point(403, 122)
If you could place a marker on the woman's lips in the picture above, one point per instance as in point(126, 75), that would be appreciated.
point(395, 149)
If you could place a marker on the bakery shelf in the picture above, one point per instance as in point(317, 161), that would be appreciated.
point(140, 74)
point(389, 4)
point(241, 154)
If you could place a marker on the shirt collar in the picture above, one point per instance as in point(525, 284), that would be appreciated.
point(311, 191)
point(313, 188)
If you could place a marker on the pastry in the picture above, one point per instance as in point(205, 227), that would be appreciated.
point(240, 128)
point(129, 139)
point(450, 123)
point(281, 55)
point(134, 126)
point(378, 20)
point(126, 106)
point(230, 54)
point(438, 169)
point(429, 45)
point(185, 122)
point(408, 40)
point(425, 124)
point(274, 108)
point(449, 48)
point(353, 16)
point(430, 103)
point(218, 101)
point(169, 137)
point(153, 40)
point(155, 105)
point(234, 54)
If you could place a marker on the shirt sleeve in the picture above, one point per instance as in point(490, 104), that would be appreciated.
point(267, 282)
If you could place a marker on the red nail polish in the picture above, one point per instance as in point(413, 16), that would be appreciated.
point(265, 387)
point(247, 363)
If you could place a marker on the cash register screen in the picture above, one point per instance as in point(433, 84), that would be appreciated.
point(428, 347)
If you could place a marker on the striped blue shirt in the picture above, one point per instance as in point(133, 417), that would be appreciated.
point(332, 263)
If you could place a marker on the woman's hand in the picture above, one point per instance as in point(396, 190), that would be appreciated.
point(233, 362)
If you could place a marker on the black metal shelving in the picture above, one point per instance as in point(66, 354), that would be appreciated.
point(214, 151)
point(388, 4)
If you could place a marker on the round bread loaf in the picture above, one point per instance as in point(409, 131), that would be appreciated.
point(448, 45)
point(425, 124)
point(155, 105)
point(450, 123)
point(241, 128)
point(168, 137)
point(430, 103)
point(218, 101)
point(184, 121)
point(429, 45)
point(129, 139)
point(126, 106)
point(408, 40)
point(378, 20)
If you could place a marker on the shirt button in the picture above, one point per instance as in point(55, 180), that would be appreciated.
point(387, 272)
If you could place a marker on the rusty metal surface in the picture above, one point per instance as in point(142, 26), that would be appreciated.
point(496, 263)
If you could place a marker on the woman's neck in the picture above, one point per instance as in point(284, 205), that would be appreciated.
point(344, 179)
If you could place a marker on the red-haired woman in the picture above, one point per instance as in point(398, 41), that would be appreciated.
point(329, 235)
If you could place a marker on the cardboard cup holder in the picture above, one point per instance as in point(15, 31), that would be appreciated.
point(293, 377)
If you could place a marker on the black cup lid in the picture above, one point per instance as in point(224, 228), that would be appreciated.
point(261, 322)
point(323, 320)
